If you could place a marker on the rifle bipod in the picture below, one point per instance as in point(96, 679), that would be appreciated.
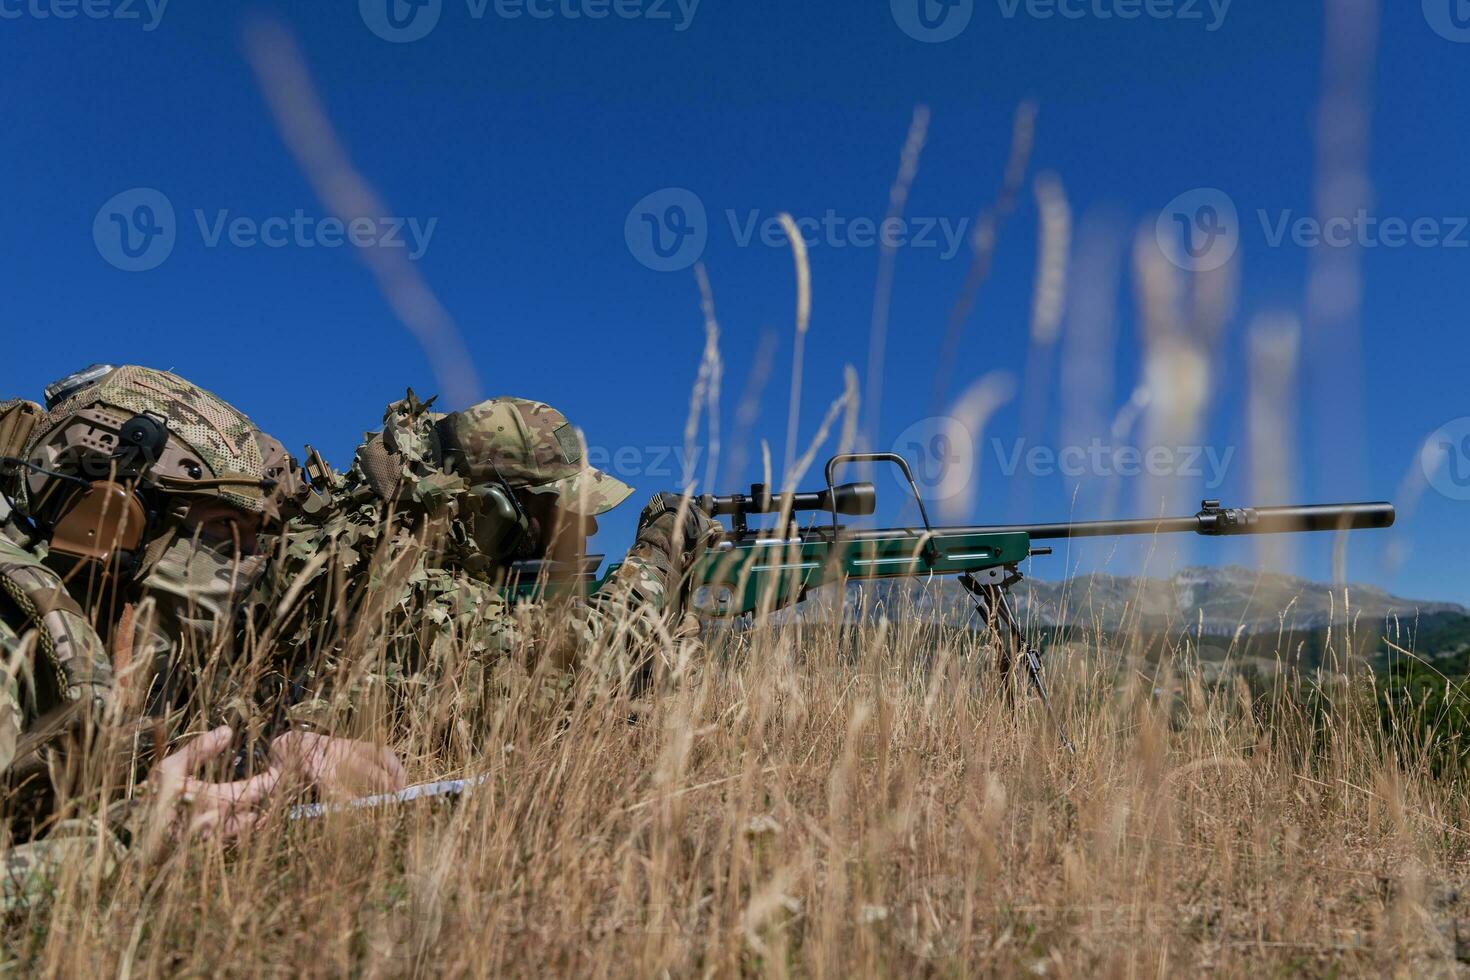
point(989, 592)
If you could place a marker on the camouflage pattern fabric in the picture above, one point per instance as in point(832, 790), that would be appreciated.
point(281, 470)
point(185, 597)
point(193, 575)
point(528, 444)
point(388, 555)
point(34, 870)
point(45, 633)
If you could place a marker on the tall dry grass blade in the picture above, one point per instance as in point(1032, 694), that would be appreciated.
point(1090, 333)
point(1054, 245)
point(803, 320)
point(706, 392)
point(1342, 189)
point(959, 489)
point(982, 244)
point(898, 195)
point(280, 70)
point(748, 409)
point(1271, 426)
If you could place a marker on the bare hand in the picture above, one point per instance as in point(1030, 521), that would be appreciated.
point(340, 768)
point(195, 806)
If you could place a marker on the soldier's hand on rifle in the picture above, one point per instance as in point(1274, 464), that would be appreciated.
point(678, 521)
point(195, 806)
point(340, 768)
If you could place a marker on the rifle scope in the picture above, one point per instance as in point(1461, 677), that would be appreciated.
point(852, 499)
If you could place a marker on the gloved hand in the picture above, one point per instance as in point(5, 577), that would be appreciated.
point(676, 526)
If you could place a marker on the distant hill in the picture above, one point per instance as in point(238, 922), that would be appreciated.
point(1204, 602)
point(1221, 602)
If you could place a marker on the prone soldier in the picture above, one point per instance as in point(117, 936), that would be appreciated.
point(417, 544)
point(133, 509)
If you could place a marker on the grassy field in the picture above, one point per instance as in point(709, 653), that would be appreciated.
point(822, 801)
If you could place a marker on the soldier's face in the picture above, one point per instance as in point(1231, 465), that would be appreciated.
point(223, 527)
point(560, 534)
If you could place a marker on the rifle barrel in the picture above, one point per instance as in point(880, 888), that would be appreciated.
point(1212, 521)
point(1219, 522)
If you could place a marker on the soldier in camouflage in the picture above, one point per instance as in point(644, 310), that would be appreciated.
point(133, 507)
point(435, 513)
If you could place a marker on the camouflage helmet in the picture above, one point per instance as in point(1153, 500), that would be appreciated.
point(529, 445)
point(208, 448)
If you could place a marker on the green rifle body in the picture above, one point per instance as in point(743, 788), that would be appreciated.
point(753, 573)
point(754, 570)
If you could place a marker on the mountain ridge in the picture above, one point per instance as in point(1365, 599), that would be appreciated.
point(1206, 600)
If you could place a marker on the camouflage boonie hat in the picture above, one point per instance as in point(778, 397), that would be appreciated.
point(202, 428)
point(531, 446)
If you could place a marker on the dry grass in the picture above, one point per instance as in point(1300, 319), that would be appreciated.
point(825, 802)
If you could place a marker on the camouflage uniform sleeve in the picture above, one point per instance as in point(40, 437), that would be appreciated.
point(34, 871)
point(48, 645)
point(10, 711)
point(625, 623)
point(636, 614)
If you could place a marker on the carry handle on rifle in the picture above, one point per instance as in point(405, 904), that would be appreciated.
point(930, 552)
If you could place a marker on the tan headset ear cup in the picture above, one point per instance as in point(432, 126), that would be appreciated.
point(98, 522)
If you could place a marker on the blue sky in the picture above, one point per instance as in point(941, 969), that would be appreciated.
point(513, 151)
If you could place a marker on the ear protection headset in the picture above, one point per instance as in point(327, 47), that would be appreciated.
point(497, 523)
point(108, 521)
point(493, 515)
